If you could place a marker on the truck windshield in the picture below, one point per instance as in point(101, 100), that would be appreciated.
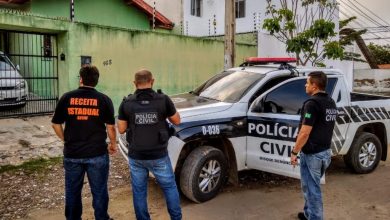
point(228, 86)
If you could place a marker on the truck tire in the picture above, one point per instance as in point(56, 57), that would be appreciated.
point(203, 174)
point(365, 153)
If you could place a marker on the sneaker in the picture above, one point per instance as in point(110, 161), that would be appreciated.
point(302, 216)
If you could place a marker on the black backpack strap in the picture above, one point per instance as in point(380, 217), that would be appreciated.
point(312, 99)
point(127, 98)
point(308, 100)
point(130, 126)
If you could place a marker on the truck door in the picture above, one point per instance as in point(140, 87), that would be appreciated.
point(273, 120)
point(341, 96)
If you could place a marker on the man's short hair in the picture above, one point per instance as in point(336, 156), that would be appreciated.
point(143, 76)
point(319, 78)
point(90, 75)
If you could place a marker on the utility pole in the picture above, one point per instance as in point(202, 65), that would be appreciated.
point(230, 32)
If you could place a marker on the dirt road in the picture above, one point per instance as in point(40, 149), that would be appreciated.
point(259, 195)
point(346, 196)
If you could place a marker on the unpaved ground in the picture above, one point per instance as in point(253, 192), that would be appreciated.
point(263, 196)
point(259, 196)
point(27, 138)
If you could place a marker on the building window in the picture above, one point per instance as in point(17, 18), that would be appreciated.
point(47, 47)
point(196, 7)
point(240, 8)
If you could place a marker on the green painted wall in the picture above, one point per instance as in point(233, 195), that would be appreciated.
point(51, 8)
point(245, 38)
point(178, 63)
point(115, 13)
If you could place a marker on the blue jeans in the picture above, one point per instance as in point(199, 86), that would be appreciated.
point(162, 170)
point(313, 167)
point(97, 173)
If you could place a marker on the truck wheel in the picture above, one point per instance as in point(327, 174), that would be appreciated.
point(203, 173)
point(365, 153)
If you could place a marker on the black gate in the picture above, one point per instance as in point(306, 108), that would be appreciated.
point(28, 73)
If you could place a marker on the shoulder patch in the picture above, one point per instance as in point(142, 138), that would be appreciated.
point(308, 115)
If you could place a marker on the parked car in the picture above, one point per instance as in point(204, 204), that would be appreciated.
point(13, 87)
point(247, 118)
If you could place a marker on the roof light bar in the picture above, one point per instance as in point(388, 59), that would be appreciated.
point(265, 60)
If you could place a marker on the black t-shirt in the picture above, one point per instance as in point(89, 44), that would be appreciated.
point(165, 108)
point(319, 112)
point(85, 112)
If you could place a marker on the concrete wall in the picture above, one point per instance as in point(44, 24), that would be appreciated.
point(369, 80)
point(179, 63)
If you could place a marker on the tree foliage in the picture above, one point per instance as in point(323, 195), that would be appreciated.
point(381, 53)
point(309, 34)
point(347, 38)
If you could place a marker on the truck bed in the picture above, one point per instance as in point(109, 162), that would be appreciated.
point(355, 96)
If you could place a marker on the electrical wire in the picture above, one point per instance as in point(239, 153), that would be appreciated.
point(361, 13)
point(366, 15)
point(372, 13)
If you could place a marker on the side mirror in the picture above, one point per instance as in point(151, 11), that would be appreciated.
point(18, 67)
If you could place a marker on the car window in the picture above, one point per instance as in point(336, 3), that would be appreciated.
point(5, 65)
point(269, 84)
point(288, 98)
point(228, 86)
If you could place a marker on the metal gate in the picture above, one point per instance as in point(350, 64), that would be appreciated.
point(28, 73)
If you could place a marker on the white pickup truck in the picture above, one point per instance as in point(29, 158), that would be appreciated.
point(247, 118)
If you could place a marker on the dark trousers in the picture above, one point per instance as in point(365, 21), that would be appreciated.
point(97, 173)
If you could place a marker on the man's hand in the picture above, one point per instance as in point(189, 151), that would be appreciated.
point(112, 148)
point(294, 160)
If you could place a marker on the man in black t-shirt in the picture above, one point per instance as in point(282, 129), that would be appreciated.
point(318, 118)
point(143, 116)
point(88, 116)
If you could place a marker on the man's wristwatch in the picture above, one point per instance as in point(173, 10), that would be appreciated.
point(293, 153)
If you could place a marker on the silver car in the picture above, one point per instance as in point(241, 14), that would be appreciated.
point(13, 87)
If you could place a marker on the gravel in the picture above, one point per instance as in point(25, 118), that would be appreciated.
point(25, 190)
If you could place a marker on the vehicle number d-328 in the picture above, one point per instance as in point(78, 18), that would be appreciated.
point(210, 130)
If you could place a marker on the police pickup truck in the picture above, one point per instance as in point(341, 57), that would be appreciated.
point(247, 118)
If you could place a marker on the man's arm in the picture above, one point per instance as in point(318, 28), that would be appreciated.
point(171, 110)
point(122, 126)
point(175, 119)
point(302, 138)
point(58, 130)
point(112, 146)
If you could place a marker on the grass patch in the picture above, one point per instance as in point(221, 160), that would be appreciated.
point(37, 165)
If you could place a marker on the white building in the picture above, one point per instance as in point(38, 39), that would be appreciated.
point(207, 17)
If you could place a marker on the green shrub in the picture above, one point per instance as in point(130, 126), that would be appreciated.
point(380, 53)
